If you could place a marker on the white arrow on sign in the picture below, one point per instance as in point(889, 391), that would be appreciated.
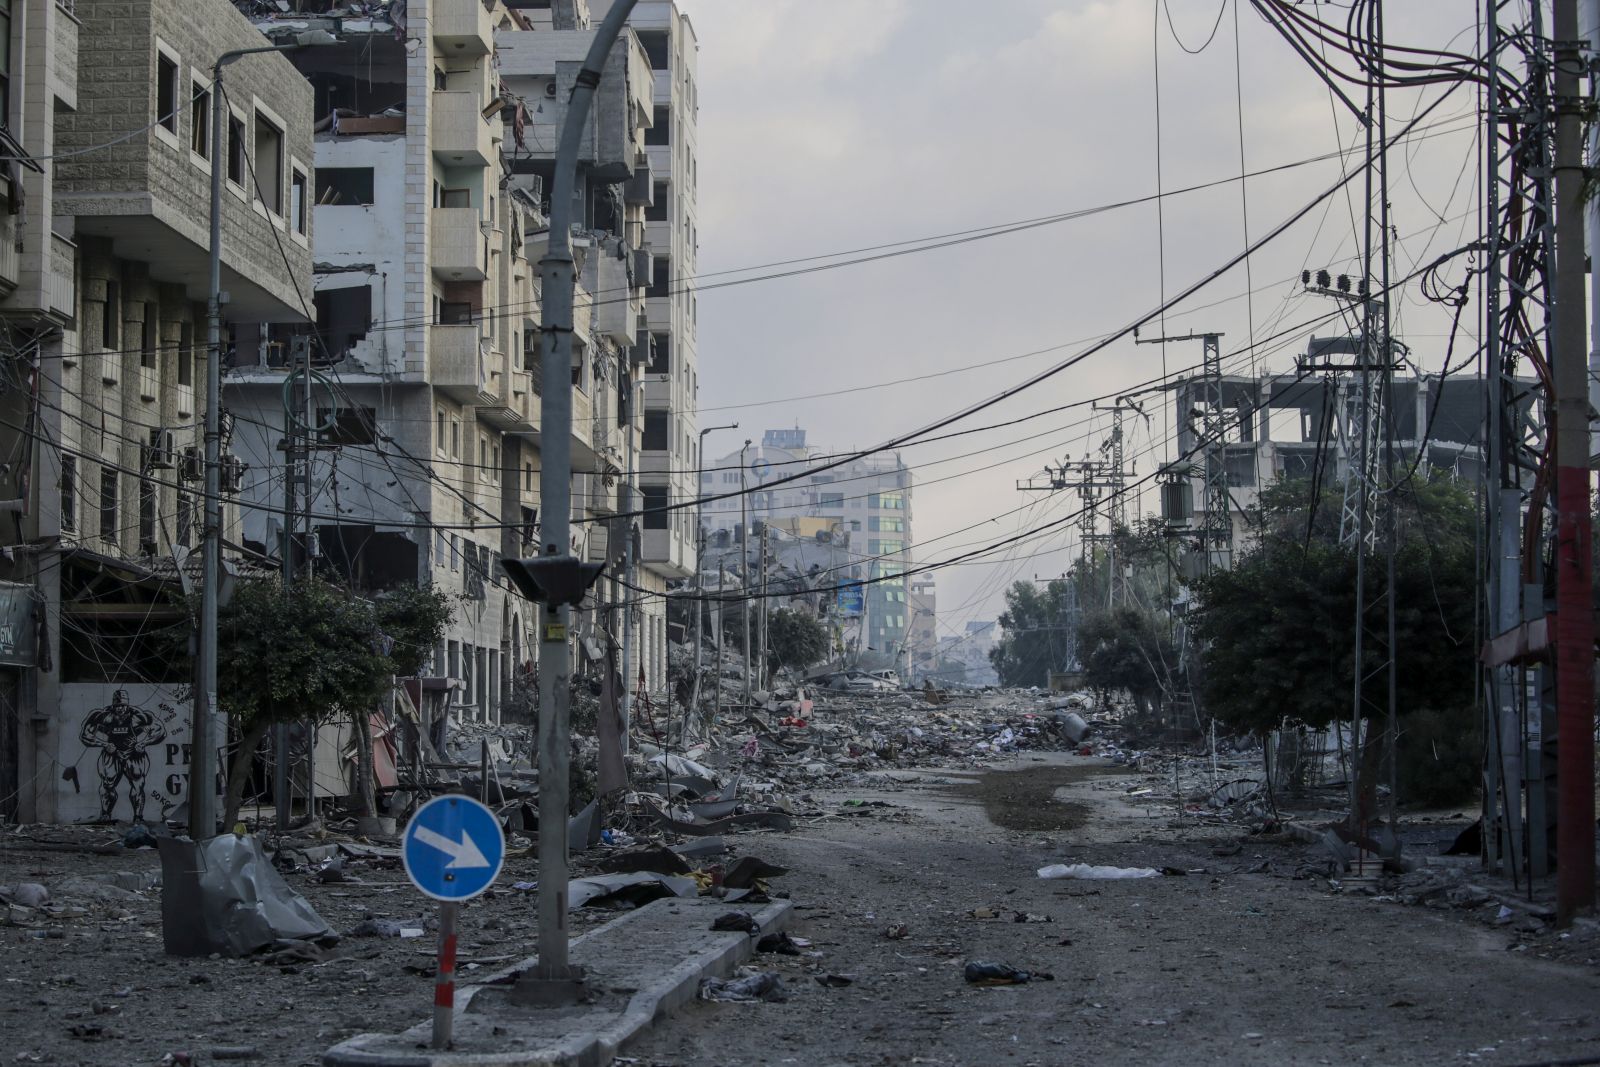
point(463, 853)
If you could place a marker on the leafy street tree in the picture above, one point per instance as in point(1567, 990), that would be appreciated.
point(795, 639)
point(1128, 649)
point(1033, 633)
point(314, 652)
point(1278, 630)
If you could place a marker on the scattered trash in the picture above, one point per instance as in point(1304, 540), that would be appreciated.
point(1030, 917)
point(139, 836)
point(782, 944)
point(741, 921)
point(630, 890)
point(834, 981)
point(26, 894)
point(388, 928)
point(763, 985)
point(984, 972)
point(1090, 872)
point(223, 895)
point(897, 931)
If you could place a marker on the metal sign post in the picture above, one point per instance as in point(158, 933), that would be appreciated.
point(452, 850)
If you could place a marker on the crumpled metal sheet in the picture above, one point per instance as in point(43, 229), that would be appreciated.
point(224, 896)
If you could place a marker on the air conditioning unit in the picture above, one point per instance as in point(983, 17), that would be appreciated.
point(233, 469)
point(191, 465)
point(550, 89)
point(161, 453)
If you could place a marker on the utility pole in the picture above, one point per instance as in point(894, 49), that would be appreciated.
point(761, 643)
point(1574, 639)
point(557, 578)
point(203, 751)
point(1115, 447)
point(701, 607)
point(744, 566)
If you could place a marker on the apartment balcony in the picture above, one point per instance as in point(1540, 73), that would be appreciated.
point(61, 283)
point(456, 364)
point(462, 27)
point(668, 552)
point(612, 293)
point(661, 86)
point(507, 414)
point(460, 252)
point(462, 137)
point(582, 426)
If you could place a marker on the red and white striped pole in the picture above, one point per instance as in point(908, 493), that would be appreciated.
point(444, 981)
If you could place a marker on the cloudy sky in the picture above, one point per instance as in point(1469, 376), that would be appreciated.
point(833, 125)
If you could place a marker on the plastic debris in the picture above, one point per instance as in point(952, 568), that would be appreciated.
point(987, 972)
point(1090, 872)
point(763, 985)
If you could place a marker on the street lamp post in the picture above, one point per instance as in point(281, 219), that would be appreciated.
point(203, 771)
point(701, 607)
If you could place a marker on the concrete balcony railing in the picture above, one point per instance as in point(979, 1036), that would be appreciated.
point(668, 551)
point(461, 135)
point(61, 283)
point(460, 251)
point(660, 160)
point(462, 27)
point(149, 382)
point(456, 363)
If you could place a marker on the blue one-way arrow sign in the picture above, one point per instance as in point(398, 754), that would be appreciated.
point(453, 848)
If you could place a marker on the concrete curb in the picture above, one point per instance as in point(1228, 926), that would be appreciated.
point(593, 1036)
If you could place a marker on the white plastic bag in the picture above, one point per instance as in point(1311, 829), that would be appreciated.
point(1089, 872)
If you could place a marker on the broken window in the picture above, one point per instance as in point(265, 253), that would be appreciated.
point(661, 354)
point(656, 431)
point(298, 209)
point(661, 132)
point(349, 425)
point(166, 92)
point(660, 210)
point(657, 47)
point(656, 517)
point(236, 139)
point(343, 317)
point(200, 121)
point(268, 170)
point(345, 186)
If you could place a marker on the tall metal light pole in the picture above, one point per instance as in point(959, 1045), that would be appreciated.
point(556, 578)
point(203, 757)
point(744, 566)
point(701, 607)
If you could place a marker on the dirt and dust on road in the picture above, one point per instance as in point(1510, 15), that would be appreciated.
point(1243, 959)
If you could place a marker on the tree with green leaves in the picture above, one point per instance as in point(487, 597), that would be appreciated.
point(314, 652)
point(795, 639)
point(1129, 649)
point(1033, 640)
point(1277, 631)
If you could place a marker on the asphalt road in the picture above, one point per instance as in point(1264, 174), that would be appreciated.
point(1221, 966)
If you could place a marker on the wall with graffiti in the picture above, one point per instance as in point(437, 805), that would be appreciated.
point(124, 752)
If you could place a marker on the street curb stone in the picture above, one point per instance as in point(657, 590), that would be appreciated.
point(590, 1034)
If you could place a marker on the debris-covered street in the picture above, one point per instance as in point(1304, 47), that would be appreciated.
point(916, 841)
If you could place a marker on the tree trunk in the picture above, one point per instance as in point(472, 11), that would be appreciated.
point(239, 771)
point(365, 798)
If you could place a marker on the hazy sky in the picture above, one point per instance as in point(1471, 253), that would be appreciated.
point(834, 125)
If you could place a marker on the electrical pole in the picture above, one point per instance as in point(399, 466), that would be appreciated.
point(556, 578)
point(744, 566)
point(1574, 638)
point(761, 643)
point(701, 607)
point(1216, 536)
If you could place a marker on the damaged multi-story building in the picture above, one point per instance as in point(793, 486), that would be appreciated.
point(105, 128)
point(436, 127)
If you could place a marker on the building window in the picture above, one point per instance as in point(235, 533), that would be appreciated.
point(660, 277)
point(494, 462)
point(656, 431)
point(661, 132)
point(345, 186)
point(200, 120)
point(186, 354)
point(349, 425)
point(147, 517)
point(455, 313)
point(236, 141)
point(455, 438)
point(166, 92)
point(656, 517)
point(887, 501)
point(69, 494)
point(438, 432)
point(108, 504)
point(297, 201)
point(269, 164)
point(834, 501)
point(656, 46)
point(660, 354)
point(455, 552)
point(148, 339)
point(886, 524)
point(111, 325)
point(660, 210)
